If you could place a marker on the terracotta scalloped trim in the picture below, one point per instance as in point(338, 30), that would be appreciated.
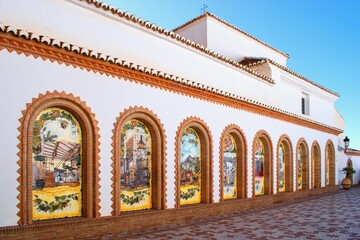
point(267, 60)
point(234, 129)
point(159, 143)
point(313, 169)
point(352, 153)
point(285, 139)
point(38, 46)
point(205, 137)
point(231, 26)
point(89, 125)
point(266, 136)
point(330, 144)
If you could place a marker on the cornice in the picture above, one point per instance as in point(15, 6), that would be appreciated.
point(352, 152)
point(269, 61)
point(23, 42)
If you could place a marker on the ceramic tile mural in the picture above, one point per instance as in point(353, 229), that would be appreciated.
point(135, 172)
point(300, 166)
point(229, 167)
point(259, 168)
point(281, 162)
point(327, 164)
point(190, 167)
point(57, 163)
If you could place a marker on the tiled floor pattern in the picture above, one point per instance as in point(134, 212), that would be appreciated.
point(334, 216)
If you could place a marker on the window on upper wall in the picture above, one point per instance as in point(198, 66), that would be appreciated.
point(305, 104)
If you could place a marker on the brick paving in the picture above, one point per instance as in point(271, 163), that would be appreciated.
point(331, 216)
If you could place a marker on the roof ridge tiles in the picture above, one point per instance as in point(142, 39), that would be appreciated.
point(231, 26)
point(179, 38)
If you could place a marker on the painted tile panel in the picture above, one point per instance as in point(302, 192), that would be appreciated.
point(56, 165)
point(259, 168)
point(300, 167)
point(281, 162)
point(190, 167)
point(135, 186)
point(230, 167)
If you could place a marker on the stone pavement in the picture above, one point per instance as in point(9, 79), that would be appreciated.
point(331, 216)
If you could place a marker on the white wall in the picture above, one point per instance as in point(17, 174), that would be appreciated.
point(79, 23)
point(289, 91)
point(24, 78)
point(196, 32)
point(236, 46)
point(342, 159)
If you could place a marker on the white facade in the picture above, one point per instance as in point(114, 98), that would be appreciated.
point(79, 23)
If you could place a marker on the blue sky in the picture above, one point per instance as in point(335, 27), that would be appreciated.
point(322, 38)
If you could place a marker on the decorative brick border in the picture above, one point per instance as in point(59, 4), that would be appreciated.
point(91, 151)
point(289, 175)
point(268, 160)
point(158, 136)
point(241, 161)
point(305, 162)
point(206, 158)
point(315, 165)
point(330, 154)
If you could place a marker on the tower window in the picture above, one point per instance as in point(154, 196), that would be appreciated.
point(305, 104)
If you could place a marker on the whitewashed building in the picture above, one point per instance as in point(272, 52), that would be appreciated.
point(205, 115)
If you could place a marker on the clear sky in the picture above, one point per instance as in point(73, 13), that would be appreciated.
point(322, 38)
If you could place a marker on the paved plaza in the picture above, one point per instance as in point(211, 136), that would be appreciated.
point(331, 216)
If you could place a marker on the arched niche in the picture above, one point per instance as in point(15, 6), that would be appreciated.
point(139, 161)
point(284, 165)
point(194, 174)
point(233, 170)
point(262, 164)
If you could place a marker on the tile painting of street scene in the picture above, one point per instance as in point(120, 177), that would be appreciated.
point(299, 178)
point(56, 171)
point(281, 159)
point(229, 167)
point(259, 168)
point(190, 171)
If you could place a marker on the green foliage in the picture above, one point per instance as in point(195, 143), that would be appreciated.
point(39, 125)
point(50, 138)
point(138, 197)
point(67, 116)
point(60, 203)
point(348, 170)
point(189, 194)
